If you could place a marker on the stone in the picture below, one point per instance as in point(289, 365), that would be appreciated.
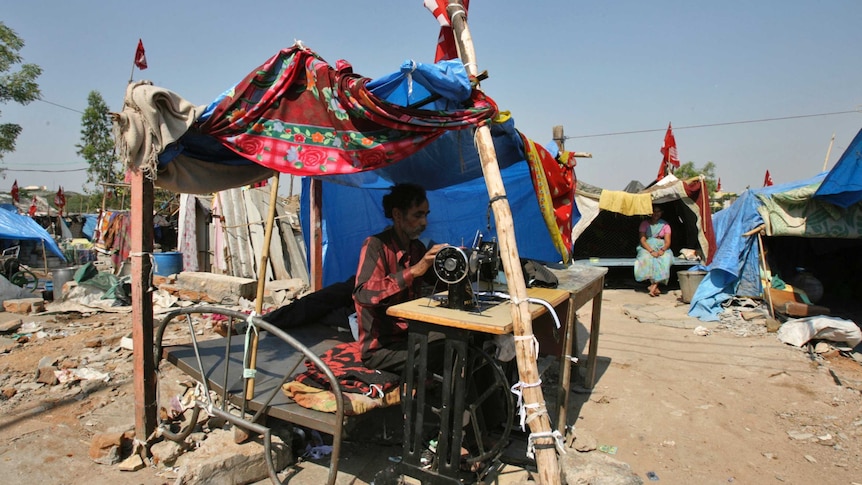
point(10, 325)
point(220, 460)
point(223, 289)
point(597, 468)
point(93, 343)
point(165, 453)
point(24, 305)
point(47, 375)
point(7, 393)
point(584, 441)
point(105, 448)
point(132, 463)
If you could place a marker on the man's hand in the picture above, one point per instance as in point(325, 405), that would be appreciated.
point(427, 260)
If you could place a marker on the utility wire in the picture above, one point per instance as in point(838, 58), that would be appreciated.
point(59, 105)
point(41, 171)
point(677, 128)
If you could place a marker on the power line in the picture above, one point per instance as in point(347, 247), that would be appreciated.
point(677, 128)
point(40, 171)
point(59, 105)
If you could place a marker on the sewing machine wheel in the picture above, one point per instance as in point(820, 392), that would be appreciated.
point(451, 265)
point(489, 403)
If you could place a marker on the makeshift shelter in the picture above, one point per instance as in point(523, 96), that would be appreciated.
point(297, 114)
point(17, 227)
point(607, 232)
point(806, 224)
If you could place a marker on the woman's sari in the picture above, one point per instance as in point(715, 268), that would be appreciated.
point(649, 267)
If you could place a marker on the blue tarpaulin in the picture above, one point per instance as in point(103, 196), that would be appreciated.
point(843, 185)
point(23, 228)
point(449, 169)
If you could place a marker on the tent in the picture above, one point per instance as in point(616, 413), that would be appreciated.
point(15, 226)
point(607, 232)
point(205, 149)
point(297, 114)
point(809, 220)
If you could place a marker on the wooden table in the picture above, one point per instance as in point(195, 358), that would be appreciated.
point(426, 315)
point(583, 283)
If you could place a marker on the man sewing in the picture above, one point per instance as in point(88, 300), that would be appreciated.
point(393, 265)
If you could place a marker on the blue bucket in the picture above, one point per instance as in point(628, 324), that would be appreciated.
point(167, 264)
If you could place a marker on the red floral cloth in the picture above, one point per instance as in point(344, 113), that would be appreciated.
point(555, 183)
point(297, 114)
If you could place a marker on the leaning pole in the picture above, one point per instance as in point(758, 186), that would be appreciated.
point(541, 435)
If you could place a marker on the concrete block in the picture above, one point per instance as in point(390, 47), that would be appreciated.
point(220, 460)
point(24, 305)
point(223, 289)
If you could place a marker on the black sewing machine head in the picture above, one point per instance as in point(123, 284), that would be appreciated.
point(457, 267)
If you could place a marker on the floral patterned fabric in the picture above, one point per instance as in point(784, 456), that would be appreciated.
point(299, 115)
point(555, 185)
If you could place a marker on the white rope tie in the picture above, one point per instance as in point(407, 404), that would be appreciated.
point(518, 390)
point(534, 347)
point(556, 435)
point(247, 372)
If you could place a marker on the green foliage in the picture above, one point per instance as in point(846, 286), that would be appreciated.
point(687, 170)
point(18, 86)
point(97, 144)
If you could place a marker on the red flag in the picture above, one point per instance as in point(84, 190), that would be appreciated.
point(718, 185)
point(668, 151)
point(15, 191)
point(446, 40)
point(140, 56)
point(60, 200)
point(767, 180)
point(32, 210)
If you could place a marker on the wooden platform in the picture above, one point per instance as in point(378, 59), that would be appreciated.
point(275, 359)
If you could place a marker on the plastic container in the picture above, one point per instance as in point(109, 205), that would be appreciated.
point(59, 277)
point(688, 283)
point(168, 263)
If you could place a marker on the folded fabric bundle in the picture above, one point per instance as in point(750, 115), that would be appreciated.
point(324, 400)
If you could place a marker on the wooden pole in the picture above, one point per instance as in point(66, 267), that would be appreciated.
point(261, 286)
point(828, 152)
point(559, 137)
point(316, 237)
point(528, 372)
point(142, 305)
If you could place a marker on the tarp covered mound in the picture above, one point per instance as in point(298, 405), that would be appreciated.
point(804, 208)
point(297, 114)
point(23, 228)
point(608, 226)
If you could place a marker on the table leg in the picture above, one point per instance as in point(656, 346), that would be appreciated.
point(451, 409)
point(414, 398)
point(595, 321)
point(570, 337)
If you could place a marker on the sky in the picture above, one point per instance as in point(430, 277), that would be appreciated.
point(748, 86)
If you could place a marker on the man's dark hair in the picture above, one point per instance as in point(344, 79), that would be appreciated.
point(403, 197)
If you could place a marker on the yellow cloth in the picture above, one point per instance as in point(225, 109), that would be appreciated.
point(625, 203)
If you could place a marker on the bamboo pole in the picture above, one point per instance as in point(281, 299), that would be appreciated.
point(240, 435)
point(528, 372)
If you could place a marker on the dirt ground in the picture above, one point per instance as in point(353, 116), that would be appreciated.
point(674, 405)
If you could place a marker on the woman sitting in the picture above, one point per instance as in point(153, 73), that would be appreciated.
point(654, 255)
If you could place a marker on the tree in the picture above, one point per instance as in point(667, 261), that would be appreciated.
point(688, 170)
point(97, 143)
point(18, 86)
